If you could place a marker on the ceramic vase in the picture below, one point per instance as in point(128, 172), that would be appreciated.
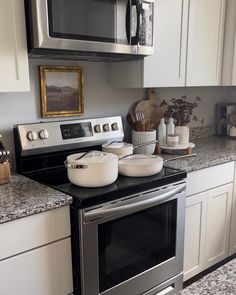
point(183, 133)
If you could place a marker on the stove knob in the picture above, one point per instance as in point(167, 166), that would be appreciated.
point(97, 128)
point(106, 127)
point(114, 126)
point(32, 135)
point(43, 134)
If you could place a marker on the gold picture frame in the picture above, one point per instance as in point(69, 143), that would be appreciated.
point(61, 91)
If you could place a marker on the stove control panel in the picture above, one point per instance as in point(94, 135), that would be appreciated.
point(54, 136)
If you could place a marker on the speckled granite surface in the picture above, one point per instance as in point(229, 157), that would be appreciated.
point(222, 281)
point(210, 151)
point(23, 197)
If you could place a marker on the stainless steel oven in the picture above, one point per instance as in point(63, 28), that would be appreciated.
point(91, 26)
point(134, 245)
point(127, 237)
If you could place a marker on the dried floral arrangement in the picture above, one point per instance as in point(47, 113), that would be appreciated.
point(181, 110)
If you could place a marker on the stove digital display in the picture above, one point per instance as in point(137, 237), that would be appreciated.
point(78, 130)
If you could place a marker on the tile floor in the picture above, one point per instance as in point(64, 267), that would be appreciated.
point(221, 281)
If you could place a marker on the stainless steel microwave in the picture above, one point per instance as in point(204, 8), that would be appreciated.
point(90, 28)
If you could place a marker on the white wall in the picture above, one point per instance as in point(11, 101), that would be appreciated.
point(100, 98)
point(209, 97)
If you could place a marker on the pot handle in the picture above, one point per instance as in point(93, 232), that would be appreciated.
point(180, 157)
point(74, 166)
point(145, 143)
point(86, 153)
point(110, 143)
point(148, 155)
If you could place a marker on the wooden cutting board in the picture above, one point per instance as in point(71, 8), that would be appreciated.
point(151, 108)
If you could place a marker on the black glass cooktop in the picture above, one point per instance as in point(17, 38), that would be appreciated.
point(123, 186)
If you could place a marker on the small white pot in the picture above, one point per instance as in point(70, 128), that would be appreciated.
point(183, 133)
point(122, 149)
point(92, 169)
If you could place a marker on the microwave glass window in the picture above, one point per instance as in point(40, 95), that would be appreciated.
point(91, 20)
point(135, 243)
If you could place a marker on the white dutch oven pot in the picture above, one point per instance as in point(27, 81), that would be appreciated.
point(141, 165)
point(92, 169)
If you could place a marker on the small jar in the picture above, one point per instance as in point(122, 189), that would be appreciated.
point(172, 140)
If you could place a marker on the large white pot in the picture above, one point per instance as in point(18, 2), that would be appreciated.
point(92, 169)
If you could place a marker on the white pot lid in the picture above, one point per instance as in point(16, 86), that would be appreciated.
point(141, 159)
point(117, 145)
point(93, 157)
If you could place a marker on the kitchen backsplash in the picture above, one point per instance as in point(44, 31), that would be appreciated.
point(202, 132)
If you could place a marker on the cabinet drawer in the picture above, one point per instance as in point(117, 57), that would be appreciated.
point(205, 179)
point(43, 271)
point(33, 231)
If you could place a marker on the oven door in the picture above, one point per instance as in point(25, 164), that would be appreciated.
point(134, 244)
point(102, 26)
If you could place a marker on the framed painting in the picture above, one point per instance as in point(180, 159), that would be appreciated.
point(61, 91)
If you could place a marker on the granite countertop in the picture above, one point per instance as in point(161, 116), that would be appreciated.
point(23, 197)
point(210, 151)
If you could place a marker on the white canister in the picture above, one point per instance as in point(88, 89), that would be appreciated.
point(172, 140)
point(183, 132)
point(139, 137)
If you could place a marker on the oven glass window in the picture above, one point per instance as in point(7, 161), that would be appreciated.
point(135, 243)
point(92, 20)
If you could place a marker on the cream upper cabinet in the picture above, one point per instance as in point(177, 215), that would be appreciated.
point(14, 68)
point(205, 42)
point(188, 47)
point(167, 66)
point(229, 56)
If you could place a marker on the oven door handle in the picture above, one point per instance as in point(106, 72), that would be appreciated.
point(103, 212)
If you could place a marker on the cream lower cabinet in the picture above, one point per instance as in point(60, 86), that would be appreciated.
point(232, 243)
point(207, 229)
point(208, 217)
point(46, 270)
point(35, 255)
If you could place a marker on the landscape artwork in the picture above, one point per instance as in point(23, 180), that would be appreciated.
point(61, 91)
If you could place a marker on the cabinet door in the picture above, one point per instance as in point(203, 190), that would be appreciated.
point(207, 225)
point(14, 69)
point(43, 271)
point(232, 242)
point(166, 67)
point(218, 224)
point(194, 241)
point(205, 42)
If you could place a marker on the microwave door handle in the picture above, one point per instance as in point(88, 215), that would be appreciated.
point(100, 213)
point(135, 39)
point(128, 22)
